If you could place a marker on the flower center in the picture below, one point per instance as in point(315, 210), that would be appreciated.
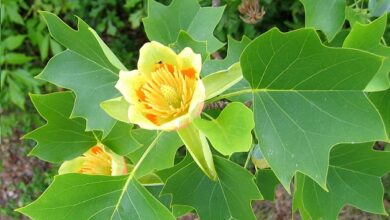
point(167, 94)
point(171, 96)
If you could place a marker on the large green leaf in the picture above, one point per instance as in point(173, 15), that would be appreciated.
point(77, 196)
point(164, 23)
point(368, 37)
point(354, 178)
point(234, 51)
point(162, 156)
point(231, 131)
point(382, 102)
point(325, 15)
point(227, 198)
point(83, 41)
point(90, 69)
point(91, 82)
point(61, 138)
point(303, 96)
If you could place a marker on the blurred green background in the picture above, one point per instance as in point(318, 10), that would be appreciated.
point(26, 47)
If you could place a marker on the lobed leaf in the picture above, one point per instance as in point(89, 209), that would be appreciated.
point(164, 23)
point(303, 96)
point(61, 138)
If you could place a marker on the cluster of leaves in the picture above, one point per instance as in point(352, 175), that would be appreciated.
point(311, 105)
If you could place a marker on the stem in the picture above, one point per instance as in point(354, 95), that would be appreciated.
point(143, 156)
point(131, 175)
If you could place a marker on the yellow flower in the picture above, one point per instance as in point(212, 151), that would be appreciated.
point(96, 161)
point(165, 92)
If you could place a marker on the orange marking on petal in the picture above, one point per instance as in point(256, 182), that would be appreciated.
point(190, 72)
point(170, 67)
point(96, 150)
point(152, 118)
point(140, 94)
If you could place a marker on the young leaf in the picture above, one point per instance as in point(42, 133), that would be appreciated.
point(61, 138)
point(13, 42)
point(227, 198)
point(162, 156)
point(234, 51)
point(77, 196)
point(327, 16)
point(164, 23)
point(231, 131)
point(368, 37)
point(303, 96)
point(91, 82)
point(354, 178)
point(382, 102)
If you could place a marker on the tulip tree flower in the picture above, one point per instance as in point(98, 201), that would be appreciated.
point(166, 93)
point(96, 161)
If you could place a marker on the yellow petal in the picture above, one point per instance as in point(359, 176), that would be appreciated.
point(127, 84)
point(188, 59)
point(198, 99)
point(152, 54)
point(71, 166)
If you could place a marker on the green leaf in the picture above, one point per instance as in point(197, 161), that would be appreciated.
point(368, 37)
point(234, 51)
point(231, 131)
point(44, 47)
point(16, 58)
point(14, 42)
point(221, 81)
point(378, 7)
point(61, 138)
point(162, 156)
point(96, 197)
point(83, 41)
point(164, 23)
point(15, 93)
point(117, 108)
point(382, 102)
point(354, 179)
point(303, 96)
point(120, 139)
point(185, 40)
point(327, 16)
point(267, 183)
point(91, 82)
point(227, 198)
